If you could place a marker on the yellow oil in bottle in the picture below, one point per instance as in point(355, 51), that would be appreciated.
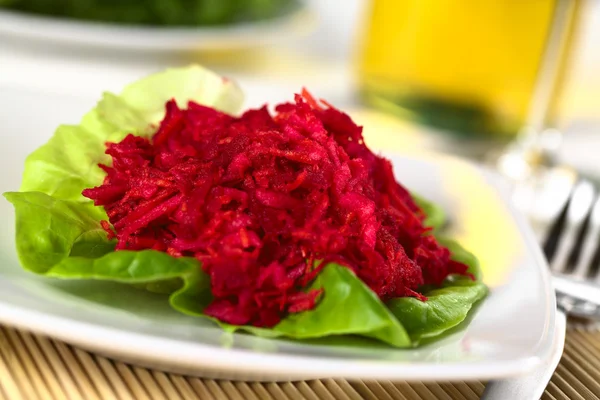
point(462, 65)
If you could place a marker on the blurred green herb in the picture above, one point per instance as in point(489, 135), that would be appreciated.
point(157, 12)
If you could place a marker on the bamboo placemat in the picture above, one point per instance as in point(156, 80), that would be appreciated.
point(35, 367)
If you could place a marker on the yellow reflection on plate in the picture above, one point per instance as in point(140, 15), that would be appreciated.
point(484, 225)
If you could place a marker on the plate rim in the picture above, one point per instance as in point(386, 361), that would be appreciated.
point(135, 346)
point(174, 354)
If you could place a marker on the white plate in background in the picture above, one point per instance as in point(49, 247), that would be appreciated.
point(511, 333)
point(71, 32)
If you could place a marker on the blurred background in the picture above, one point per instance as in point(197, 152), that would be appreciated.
point(464, 77)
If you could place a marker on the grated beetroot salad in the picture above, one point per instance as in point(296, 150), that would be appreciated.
point(257, 199)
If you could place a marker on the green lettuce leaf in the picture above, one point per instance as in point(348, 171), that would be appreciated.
point(54, 223)
point(348, 307)
point(444, 309)
point(58, 231)
point(49, 230)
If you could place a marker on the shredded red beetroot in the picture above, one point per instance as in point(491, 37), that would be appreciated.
point(259, 198)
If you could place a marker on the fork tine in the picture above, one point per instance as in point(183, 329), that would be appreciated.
point(555, 231)
point(544, 197)
point(578, 209)
point(595, 262)
point(583, 252)
point(584, 266)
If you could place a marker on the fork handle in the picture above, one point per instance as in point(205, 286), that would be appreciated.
point(579, 291)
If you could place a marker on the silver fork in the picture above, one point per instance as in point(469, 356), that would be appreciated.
point(572, 247)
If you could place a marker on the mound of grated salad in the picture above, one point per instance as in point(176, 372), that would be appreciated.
point(257, 199)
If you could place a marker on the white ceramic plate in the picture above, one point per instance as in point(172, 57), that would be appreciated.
point(511, 333)
point(72, 32)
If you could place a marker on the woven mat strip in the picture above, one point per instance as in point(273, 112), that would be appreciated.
point(35, 367)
